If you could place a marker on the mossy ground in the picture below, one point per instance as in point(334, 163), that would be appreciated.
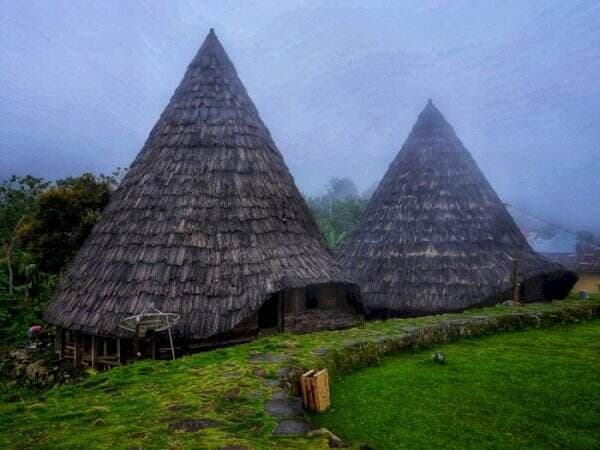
point(528, 389)
point(134, 406)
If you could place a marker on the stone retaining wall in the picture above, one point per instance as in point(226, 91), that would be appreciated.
point(368, 352)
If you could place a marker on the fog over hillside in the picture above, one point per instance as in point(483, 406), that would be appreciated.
point(339, 84)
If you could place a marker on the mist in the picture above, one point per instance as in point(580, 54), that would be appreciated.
point(339, 84)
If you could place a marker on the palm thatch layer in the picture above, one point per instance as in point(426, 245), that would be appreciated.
point(207, 223)
point(436, 237)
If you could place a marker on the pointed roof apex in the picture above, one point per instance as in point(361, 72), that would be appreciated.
point(212, 48)
point(431, 117)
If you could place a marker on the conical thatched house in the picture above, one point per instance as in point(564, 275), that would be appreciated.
point(208, 224)
point(436, 237)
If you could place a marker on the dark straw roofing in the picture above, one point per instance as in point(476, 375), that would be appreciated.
point(589, 261)
point(207, 223)
point(435, 236)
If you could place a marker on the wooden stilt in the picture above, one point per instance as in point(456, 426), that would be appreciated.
point(136, 342)
point(170, 338)
point(61, 342)
point(119, 350)
point(280, 311)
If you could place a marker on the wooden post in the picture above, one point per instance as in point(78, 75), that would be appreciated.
point(170, 338)
point(60, 342)
point(280, 311)
point(314, 386)
point(75, 346)
point(136, 341)
point(93, 351)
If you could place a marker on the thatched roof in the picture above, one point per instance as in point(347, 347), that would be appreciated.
point(207, 222)
point(435, 236)
point(567, 260)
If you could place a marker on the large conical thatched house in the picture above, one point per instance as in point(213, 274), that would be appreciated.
point(208, 224)
point(436, 237)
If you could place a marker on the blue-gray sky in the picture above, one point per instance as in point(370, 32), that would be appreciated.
point(339, 84)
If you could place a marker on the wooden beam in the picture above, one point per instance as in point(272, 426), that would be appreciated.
point(119, 350)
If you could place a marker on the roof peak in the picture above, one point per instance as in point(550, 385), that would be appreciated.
point(212, 47)
point(431, 116)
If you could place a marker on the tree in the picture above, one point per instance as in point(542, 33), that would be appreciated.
point(341, 189)
point(17, 199)
point(338, 211)
point(62, 219)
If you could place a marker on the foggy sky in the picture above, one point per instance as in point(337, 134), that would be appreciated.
point(339, 84)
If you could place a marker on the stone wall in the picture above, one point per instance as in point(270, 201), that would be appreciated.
point(368, 352)
point(320, 319)
point(328, 296)
point(294, 301)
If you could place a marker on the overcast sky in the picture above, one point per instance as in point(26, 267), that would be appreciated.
point(339, 84)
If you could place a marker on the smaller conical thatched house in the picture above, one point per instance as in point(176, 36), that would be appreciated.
point(436, 237)
point(207, 224)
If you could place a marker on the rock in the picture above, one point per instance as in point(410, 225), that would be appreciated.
point(321, 351)
point(272, 383)
point(176, 407)
point(231, 374)
point(289, 407)
point(409, 329)
point(254, 395)
point(293, 427)
point(232, 394)
point(280, 395)
point(260, 372)
point(191, 425)
point(37, 370)
point(286, 372)
point(438, 358)
point(266, 357)
point(332, 440)
point(510, 303)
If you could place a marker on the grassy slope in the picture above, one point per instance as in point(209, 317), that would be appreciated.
point(529, 389)
point(133, 406)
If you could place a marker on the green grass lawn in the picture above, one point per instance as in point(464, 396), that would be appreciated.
point(528, 389)
point(552, 374)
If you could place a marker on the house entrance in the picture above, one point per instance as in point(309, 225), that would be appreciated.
point(268, 314)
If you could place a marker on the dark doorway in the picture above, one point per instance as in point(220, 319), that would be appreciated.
point(312, 297)
point(269, 312)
